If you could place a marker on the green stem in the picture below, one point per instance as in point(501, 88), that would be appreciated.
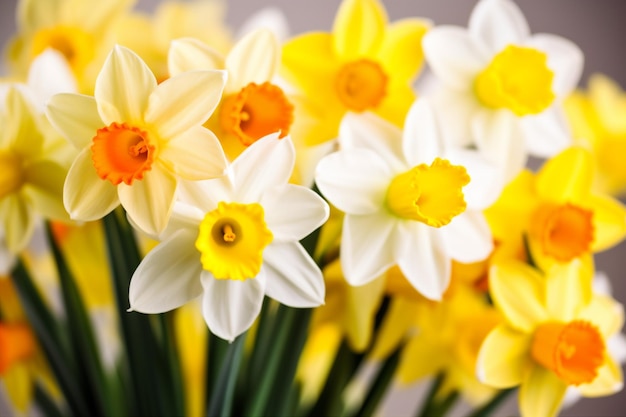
point(221, 402)
point(428, 403)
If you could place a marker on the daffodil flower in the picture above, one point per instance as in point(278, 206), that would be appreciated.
point(502, 87)
point(558, 212)
point(234, 241)
point(365, 64)
point(31, 180)
point(252, 106)
point(136, 139)
point(404, 203)
point(555, 336)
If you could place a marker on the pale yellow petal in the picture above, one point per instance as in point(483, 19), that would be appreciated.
point(518, 291)
point(45, 188)
point(568, 289)
point(609, 221)
point(184, 101)
point(123, 87)
point(359, 28)
point(17, 220)
point(190, 54)
point(254, 59)
point(605, 313)
point(76, 117)
point(566, 177)
point(35, 14)
point(86, 196)
point(504, 358)
point(610, 102)
point(541, 393)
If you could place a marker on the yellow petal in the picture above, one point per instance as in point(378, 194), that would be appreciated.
point(414, 365)
point(541, 393)
point(609, 381)
point(397, 322)
point(45, 188)
point(609, 221)
point(401, 52)
point(359, 28)
point(396, 105)
point(19, 386)
point(604, 312)
point(568, 289)
point(566, 177)
point(362, 305)
point(504, 358)
point(610, 102)
point(518, 291)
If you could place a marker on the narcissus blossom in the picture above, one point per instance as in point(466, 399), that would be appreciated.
point(405, 203)
point(554, 336)
point(136, 138)
point(502, 87)
point(234, 240)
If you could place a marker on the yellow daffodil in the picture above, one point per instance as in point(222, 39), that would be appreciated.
point(150, 34)
point(598, 121)
point(252, 106)
point(234, 240)
point(502, 88)
point(556, 209)
point(136, 138)
point(365, 64)
point(404, 204)
point(31, 180)
point(79, 30)
point(555, 336)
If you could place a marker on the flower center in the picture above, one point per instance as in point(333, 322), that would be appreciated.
point(16, 343)
point(256, 111)
point(11, 174)
point(76, 45)
point(231, 240)
point(518, 79)
point(122, 153)
point(573, 351)
point(429, 194)
point(361, 85)
point(564, 231)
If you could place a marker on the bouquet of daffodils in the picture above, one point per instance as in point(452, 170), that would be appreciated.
point(199, 223)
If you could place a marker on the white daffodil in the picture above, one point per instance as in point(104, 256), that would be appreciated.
point(252, 106)
point(234, 241)
point(404, 203)
point(136, 139)
point(502, 87)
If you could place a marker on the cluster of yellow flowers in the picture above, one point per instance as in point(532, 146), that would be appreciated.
point(227, 153)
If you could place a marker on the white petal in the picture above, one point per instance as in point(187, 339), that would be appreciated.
point(184, 101)
point(86, 196)
point(355, 180)
point(565, 59)
point(191, 54)
point(454, 111)
point(168, 277)
point(292, 278)
point(421, 141)
point(365, 249)
point(485, 184)
point(49, 74)
point(467, 238)
point(123, 87)
point(498, 23)
point(422, 259)
point(184, 216)
point(205, 194)
point(195, 155)
point(149, 201)
point(372, 132)
point(454, 56)
point(76, 117)
point(254, 59)
point(229, 306)
point(266, 163)
point(546, 134)
point(293, 211)
point(499, 137)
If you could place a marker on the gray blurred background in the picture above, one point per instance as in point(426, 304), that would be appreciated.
point(597, 27)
